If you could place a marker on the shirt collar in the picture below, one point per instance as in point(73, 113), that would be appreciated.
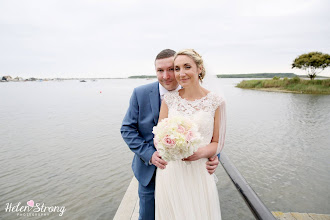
point(163, 91)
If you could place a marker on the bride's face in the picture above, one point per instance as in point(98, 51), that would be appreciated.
point(186, 71)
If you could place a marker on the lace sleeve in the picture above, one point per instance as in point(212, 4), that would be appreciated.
point(221, 103)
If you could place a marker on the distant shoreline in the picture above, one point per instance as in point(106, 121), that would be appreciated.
point(20, 79)
point(257, 75)
point(249, 75)
point(294, 85)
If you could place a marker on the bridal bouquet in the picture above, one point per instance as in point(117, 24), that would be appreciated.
point(176, 138)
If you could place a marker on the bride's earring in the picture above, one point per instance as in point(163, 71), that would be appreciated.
point(200, 76)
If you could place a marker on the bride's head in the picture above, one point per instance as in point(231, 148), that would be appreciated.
point(188, 67)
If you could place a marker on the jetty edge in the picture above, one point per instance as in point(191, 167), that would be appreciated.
point(129, 206)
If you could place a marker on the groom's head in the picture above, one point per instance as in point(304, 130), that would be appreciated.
point(164, 65)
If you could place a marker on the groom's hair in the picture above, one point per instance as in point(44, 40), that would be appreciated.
point(165, 54)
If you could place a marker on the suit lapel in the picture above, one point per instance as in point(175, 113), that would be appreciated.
point(155, 102)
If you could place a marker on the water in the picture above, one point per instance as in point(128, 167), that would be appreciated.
point(60, 145)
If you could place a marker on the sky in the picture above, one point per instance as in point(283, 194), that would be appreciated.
point(106, 38)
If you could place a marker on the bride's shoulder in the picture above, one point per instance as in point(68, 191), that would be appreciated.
point(216, 98)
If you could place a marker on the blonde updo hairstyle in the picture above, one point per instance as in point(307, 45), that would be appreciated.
point(196, 58)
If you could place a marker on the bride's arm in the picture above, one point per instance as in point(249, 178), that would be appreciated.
point(163, 111)
point(156, 159)
point(162, 114)
point(210, 149)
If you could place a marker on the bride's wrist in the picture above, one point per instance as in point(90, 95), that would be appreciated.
point(208, 151)
point(203, 152)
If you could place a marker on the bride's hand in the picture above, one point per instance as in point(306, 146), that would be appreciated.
point(196, 156)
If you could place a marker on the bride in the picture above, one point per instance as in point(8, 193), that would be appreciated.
point(184, 189)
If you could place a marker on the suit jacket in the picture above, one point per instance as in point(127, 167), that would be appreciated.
point(142, 115)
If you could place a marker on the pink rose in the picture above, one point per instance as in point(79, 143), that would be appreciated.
point(181, 129)
point(168, 141)
point(189, 136)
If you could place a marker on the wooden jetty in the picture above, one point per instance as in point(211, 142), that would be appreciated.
point(129, 208)
point(300, 216)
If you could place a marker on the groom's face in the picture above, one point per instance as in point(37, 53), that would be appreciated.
point(165, 73)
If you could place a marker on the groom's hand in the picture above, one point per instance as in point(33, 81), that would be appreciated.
point(158, 161)
point(212, 164)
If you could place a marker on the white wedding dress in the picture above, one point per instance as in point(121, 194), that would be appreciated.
point(185, 190)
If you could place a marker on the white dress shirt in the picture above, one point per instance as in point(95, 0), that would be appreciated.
point(163, 91)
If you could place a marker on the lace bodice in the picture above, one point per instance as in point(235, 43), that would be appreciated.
point(201, 111)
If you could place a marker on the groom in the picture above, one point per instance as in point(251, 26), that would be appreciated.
point(141, 116)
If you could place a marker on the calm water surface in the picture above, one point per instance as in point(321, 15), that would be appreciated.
point(60, 145)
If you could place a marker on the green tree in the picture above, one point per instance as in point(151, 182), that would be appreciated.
point(313, 62)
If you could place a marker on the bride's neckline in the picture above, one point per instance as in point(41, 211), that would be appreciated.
point(204, 97)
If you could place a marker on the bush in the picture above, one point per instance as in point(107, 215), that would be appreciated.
point(276, 78)
point(294, 80)
point(271, 83)
point(285, 81)
point(315, 82)
point(249, 84)
point(326, 82)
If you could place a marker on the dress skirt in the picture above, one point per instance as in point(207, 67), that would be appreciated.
point(185, 190)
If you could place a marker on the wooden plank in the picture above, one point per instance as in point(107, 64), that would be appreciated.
point(301, 216)
point(288, 216)
point(135, 215)
point(127, 205)
point(319, 216)
point(283, 216)
point(278, 215)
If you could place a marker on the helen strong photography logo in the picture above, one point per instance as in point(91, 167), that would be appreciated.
point(34, 209)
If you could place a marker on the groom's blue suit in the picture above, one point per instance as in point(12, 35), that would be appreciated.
point(142, 115)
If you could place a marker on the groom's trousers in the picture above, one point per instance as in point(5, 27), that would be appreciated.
point(147, 200)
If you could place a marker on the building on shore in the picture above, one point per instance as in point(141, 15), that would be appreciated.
point(17, 79)
point(7, 78)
